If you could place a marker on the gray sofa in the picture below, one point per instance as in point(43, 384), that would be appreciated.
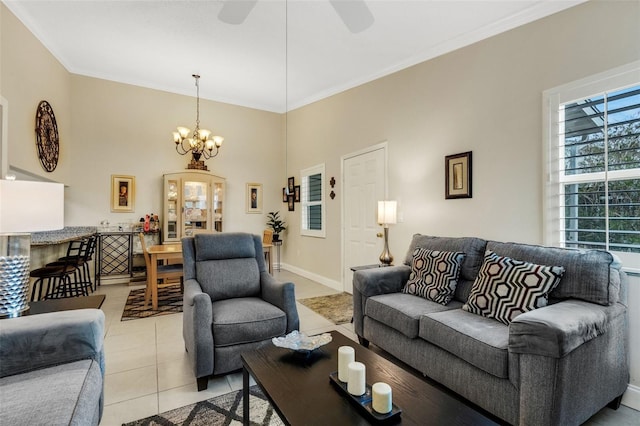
point(555, 365)
point(231, 303)
point(52, 369)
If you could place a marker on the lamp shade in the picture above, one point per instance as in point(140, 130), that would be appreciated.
point(387, 212)
point(27, 206)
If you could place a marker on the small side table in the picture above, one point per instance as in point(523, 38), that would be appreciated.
point(360, 268)
point(277, 244)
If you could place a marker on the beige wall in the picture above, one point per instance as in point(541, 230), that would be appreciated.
point(122, 129)
point(485, 98)
point(111, 128)
point(31, 74)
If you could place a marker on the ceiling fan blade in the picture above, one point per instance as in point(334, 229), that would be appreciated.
point(234, 12)
point(354, 13)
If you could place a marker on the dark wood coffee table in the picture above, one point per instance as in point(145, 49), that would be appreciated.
point(66, 304)
point(300, 390)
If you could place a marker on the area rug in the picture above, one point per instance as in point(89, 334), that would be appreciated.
point(337, 308)
point(221, 410)
point(169, 302)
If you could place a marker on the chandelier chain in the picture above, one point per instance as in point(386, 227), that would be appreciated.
point(196, 132)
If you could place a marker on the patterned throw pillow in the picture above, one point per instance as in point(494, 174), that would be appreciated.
point(506, 288)
point(434, 274)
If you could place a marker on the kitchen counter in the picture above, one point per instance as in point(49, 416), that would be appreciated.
point(69, 233)
point(48, 246)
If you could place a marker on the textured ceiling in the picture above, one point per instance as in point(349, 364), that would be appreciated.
point(284, 55)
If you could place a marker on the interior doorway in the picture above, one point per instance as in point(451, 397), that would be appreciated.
point(364, 178)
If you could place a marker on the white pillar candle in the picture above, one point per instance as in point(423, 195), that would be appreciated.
point(381, 393)
point(346, 355)
point(357, 384)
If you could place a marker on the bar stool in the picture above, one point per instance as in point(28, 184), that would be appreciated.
point(93, 243)
point(82, 257)
point(57, 278)
point(58, 275)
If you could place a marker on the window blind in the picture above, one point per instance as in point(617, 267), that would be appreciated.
point(312, 203)
point(599, 171)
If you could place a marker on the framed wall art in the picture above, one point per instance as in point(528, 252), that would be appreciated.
point(457, 170)
point(284, 195)
point(296, 193)
point(291, 205)
point(123, 193)
point(254, 198)
point(291, 182)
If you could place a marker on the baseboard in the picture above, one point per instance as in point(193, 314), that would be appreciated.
point(631, 397)
point(336, 285)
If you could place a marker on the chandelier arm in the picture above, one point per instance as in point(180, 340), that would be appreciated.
point(179, 146)
point(206, 154)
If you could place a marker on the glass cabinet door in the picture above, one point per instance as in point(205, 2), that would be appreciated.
point(195, 206)
point(218, 197)
point(171, 227)
point(192, 202)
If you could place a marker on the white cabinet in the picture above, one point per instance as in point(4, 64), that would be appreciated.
point(192, 201)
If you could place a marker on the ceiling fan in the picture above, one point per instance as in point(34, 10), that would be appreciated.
point(354, 13)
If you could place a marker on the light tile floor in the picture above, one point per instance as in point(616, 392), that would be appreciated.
point(147, 370)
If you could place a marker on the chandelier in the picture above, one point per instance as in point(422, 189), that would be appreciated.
point(200, 143)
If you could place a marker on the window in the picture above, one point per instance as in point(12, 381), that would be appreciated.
point(312, 200)
point(593, 154)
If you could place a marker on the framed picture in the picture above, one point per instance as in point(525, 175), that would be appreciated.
point(296, 192)
point(254, 198)
point(291, 182)
point(284, 195)
point(291, 202)
point(457, 169)
point(123, 193)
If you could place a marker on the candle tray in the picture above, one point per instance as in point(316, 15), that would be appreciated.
point(364, 402)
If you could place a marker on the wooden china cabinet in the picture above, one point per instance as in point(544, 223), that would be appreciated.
point(193, 201)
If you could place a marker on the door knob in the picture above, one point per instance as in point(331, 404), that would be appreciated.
point(379, 235)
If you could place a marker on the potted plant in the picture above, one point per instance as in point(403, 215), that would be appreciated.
point(275, 224)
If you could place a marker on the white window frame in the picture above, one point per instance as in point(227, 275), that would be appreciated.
point(609, 81)
point(304, 203)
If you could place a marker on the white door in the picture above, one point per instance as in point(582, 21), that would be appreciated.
point(364, 183)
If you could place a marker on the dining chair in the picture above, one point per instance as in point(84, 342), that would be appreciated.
point(168, 274)
point(267, 236)
point(267, 241)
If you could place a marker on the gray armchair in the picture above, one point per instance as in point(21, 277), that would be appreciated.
point(231, 303)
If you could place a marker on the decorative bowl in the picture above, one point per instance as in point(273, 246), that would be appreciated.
point(300, 342)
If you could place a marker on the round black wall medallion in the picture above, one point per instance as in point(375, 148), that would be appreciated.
point(47, 139)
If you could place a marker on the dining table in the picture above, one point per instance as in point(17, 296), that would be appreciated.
point(173, 252)
point(164, 253)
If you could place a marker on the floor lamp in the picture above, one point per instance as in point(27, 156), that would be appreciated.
point(386, 216)
point(25, 207)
